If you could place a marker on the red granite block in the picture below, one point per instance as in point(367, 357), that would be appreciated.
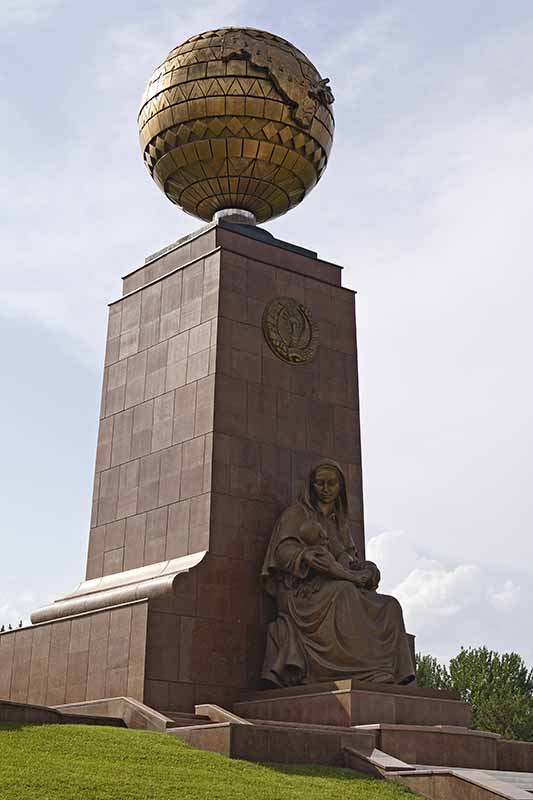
point(114, 534)
point(171, 293)
point(38, 667)
point(156, 535)
point(150, 307)
point(135, 379)
point(149, 471)
point(7, 651)
point(162, 653)
point(141, 440)
point(228, 589)
point(262, 412)
point(184, 413)
point(97, 542)
point(131, 313)
point(178, 529)
point(108, 495)
point(211, 652)
point(115, 387)
point(291, 420)
point(21, 660)
point(128, 489)
point(103, 449)
point(58, 663)
point(163, 420)
point(134, 541)
point(192, 474)
point(199, 523)
point(114, 321)
point(96, 669)
point(113, 561)
point(156, 368)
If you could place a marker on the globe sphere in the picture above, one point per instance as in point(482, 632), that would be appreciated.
point(236, 118)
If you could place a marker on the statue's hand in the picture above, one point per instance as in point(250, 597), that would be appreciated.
point(370, 573)
point(362, 578)
point(321, 560)
point(346, 561)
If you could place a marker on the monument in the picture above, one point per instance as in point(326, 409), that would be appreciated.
point(227, 599)
point(229, 391)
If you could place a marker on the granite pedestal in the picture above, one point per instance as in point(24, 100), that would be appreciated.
point(349, 702)
point(205, 436)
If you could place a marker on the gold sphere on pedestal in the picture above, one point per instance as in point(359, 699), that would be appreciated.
point(236, 118)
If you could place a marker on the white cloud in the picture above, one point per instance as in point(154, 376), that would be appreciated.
point(448, 605)
point(440, 592)
point(508, 597)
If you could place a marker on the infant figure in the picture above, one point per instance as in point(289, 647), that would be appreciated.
point(312, 533)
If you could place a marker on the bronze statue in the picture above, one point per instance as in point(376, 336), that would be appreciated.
point(331, 622)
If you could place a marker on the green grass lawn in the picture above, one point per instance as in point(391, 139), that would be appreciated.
point(74, 762)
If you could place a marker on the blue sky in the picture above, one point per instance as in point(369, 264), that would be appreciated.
point(427, 203)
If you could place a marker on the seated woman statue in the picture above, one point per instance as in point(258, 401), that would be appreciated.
point(331, 622)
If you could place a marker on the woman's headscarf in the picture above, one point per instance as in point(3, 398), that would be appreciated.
point(308, 498)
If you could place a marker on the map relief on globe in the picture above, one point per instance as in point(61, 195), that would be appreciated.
point(236, 118)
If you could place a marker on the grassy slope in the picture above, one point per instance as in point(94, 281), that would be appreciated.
point(79, 762)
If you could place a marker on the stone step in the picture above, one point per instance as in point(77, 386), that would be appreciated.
point(521, 780)
point(275, 743)
point(368, 736)
point(183, 719)
point(468, 784)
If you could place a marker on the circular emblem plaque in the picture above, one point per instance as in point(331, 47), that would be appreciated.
point(290, 331)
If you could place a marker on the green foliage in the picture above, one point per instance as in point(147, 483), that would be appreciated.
point(430, 674)
point(82, 762)
point(498, 686)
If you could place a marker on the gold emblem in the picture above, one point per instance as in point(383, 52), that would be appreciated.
point(290, 331)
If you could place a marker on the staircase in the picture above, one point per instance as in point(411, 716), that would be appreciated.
point(183, 719)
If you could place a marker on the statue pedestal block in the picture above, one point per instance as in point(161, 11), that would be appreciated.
point(347, 703)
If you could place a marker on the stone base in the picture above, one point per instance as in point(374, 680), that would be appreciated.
point(446, 746)
point(349, 702)
point(270, 743)
point(439, 746)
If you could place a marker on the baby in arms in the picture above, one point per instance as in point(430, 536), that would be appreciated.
point(314, 536)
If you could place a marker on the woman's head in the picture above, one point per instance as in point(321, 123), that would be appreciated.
point(326, 485)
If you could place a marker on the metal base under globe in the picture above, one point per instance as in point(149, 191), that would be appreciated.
point(238, 216)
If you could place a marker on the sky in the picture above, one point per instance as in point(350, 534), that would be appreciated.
point(427, 202)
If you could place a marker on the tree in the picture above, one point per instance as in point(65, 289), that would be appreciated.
point(498, 686)
point(430, 674)
point(500, 689)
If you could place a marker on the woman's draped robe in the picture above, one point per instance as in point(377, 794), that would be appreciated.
point(327, 627)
